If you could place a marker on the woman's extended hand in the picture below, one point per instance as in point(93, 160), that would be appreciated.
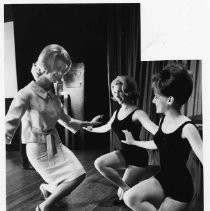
point(129, 138)
point(97, 120)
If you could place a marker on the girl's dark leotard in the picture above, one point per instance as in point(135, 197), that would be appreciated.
point(174, 176)
point(133, 155)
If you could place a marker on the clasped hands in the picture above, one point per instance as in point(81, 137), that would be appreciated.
point(97, 120)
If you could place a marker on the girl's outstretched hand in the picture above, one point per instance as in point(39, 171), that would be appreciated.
point(129, 138)
point(97, 120)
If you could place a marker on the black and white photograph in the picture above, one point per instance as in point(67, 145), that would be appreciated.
point(103, 107)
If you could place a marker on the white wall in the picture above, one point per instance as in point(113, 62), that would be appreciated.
point(10, 76)
point(172, 29)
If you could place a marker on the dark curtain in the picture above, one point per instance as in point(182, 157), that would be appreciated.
point(193, 107)
point(123, 47)
point(124, 39)
point(82, 30)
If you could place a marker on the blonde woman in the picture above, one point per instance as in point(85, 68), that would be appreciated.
point(132, 159)
point(39, 109)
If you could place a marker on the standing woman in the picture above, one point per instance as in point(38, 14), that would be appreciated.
point(132, 159)
point(172, 188)
point(39, 109)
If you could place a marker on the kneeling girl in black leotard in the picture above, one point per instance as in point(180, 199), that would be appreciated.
point(132, 159)
point(172, 188)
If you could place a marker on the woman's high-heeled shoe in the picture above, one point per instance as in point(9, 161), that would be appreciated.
point(44, 192)
point(38, 208)
point(118, 202)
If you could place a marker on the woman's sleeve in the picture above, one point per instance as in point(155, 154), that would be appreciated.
point(13, 117)
point(69, 123)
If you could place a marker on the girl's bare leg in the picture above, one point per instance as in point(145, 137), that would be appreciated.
point(173, 205)
point(145, 196)
point(131, 176)
point(108, 165)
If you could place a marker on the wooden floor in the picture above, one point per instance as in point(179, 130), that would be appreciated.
point(23, 194)
point(94, 194)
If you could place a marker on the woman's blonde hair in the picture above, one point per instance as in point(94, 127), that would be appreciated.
point(48, 57)
point(129, 87)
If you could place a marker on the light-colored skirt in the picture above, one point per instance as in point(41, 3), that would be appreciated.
point(63, 167)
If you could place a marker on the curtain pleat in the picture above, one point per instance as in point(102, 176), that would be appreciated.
point(194, 104)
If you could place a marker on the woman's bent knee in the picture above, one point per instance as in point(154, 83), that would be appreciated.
point(130, 199)
point(170, 204)
point(99, 164)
